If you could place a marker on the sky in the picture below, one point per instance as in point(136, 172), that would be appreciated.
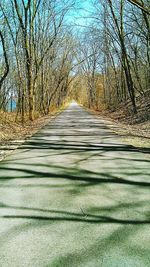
point(78, 17)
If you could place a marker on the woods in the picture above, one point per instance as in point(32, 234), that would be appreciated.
point(39, 54)
point(46, 61)
point(118, 42)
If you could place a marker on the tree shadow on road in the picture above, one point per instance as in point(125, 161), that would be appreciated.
point(129, 169)
point(89, 219)
point(88, 177)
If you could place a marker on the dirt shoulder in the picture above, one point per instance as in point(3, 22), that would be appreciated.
point(13, 134)
point(136, 134)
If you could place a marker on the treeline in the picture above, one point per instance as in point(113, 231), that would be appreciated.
point(116, 48)
point(36, 54)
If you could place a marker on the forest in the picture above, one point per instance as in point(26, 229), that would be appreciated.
point(53, 51)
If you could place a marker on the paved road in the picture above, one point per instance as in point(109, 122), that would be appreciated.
point(74, 195)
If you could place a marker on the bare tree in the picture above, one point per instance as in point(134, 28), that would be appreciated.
point(6, 70)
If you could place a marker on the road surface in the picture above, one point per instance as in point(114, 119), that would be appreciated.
point(75, 195)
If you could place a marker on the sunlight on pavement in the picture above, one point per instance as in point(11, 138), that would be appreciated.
point(73, 104)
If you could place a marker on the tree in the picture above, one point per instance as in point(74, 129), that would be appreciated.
point(6, 70)
point(140, 5)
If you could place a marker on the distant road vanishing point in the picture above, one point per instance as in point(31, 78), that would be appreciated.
point(75, 195)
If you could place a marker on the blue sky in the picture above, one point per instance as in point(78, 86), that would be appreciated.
point(78, 16)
